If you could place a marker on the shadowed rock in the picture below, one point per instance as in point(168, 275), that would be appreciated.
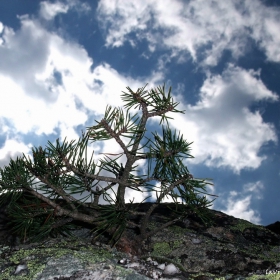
point(274, 227)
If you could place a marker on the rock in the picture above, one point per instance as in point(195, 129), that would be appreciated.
point(170, 269)
point(63, 258)
point(274, 227)
point(229, 248)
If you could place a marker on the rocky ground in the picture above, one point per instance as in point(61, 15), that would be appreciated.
point(230, 248)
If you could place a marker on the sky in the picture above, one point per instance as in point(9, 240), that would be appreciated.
point(63, 62)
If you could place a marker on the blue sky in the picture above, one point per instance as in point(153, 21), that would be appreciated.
point(62, 62)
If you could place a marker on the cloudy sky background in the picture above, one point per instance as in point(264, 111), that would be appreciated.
point(62, 62)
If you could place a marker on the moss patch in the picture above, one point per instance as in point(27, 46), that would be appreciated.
point(36, 258)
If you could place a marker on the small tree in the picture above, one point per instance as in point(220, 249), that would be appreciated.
point(40, 197)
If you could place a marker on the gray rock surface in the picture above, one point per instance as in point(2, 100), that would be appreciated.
point(67, 258)
point(229, 248)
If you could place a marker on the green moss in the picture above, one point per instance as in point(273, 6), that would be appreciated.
point(87, 255)
point(268, 276)
point(161, 248)
point(243, 224)
point(177, 229)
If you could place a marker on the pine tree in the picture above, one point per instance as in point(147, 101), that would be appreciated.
point(40, 193)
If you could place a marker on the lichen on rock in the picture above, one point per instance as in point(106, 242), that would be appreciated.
point(229, 248)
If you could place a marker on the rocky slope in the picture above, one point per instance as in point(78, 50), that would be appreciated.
point(229, 248)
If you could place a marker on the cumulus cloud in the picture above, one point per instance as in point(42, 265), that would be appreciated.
point(50, 86)
point(34, 101)
point(238, 204)
point(200, 28)
point(225, 132)
point(50, 82)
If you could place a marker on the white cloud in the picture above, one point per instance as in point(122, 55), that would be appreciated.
point(49, 10)
point(238, 204)
point(11, 149)
point(201, 28)
point(255, 188)
point(225, 132)
point(133, 14)
point(239, 209)
point(49, 84)
point(33, 98)
point(109, 84)
point(264, 24)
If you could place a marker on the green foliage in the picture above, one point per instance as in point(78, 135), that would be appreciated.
point(40, 193)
